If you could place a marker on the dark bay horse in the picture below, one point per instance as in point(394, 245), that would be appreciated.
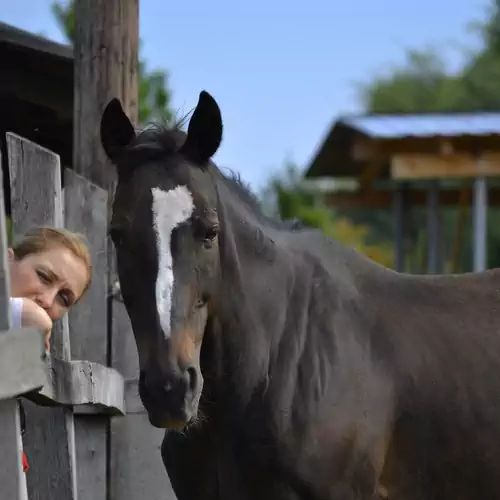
point(282, 364)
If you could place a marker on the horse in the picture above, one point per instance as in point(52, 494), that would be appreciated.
point(281, 363)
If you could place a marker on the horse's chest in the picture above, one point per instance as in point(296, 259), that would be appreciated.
point(201, 468)
point(240, 476)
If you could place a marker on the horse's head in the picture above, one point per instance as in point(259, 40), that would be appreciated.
point(165, 229)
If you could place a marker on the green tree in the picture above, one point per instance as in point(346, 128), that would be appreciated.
point(154, 93)
point(420, 85)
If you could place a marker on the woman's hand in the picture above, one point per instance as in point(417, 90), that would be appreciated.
point(34, 316)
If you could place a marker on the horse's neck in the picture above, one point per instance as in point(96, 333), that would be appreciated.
point(257, 278)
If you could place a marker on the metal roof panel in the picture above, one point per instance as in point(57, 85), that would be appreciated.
point(425, 125)
point(21, 38)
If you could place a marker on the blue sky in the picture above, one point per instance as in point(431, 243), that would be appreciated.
point(280, 70)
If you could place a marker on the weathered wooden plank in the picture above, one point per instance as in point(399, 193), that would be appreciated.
point(49, 446)
point(75, 382)
point(91, 455)
point(49, 438)
point(21, 363)
point(106, 66)
point(5, 322)
point(136, 468)
point(33, 203)
point(86, 212)
point(12, 478)
point(133, 402)
point(426, 166)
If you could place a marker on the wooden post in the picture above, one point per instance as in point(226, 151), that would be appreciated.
point(106, 66)
point(480, 224)
point(399, 213)
point(434, 238)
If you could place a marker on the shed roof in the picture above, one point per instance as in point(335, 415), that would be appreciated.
point(334, 156)
point(24, 39)
point(425, 125)
point(36, 90)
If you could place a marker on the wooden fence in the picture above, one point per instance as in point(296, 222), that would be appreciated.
point(87, 436)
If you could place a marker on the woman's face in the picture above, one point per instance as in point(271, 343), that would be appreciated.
point(55, 279)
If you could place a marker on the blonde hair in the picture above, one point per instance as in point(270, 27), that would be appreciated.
point(40, 239)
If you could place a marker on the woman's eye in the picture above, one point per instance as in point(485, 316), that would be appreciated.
point(43, 277)
point(65, 299)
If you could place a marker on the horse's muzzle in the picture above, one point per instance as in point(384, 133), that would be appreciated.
point(170, 398)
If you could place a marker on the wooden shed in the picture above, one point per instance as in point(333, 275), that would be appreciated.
point(36, 94)
point(411, 160)
point(36, 90)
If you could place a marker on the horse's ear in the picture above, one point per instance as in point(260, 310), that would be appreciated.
point(116, 129)
point(204, 131)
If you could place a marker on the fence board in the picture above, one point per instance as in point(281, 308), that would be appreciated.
point(36, 199)
point(95, 388)
point(86, 212)
point(21, 367)
point(136, 469)
point(12, 477)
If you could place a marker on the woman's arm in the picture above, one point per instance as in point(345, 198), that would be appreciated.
point(26, 313)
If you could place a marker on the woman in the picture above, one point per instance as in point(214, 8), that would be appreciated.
point(50, 270)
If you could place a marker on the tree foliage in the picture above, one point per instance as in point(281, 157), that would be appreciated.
point(154, 92)
point(423, 84)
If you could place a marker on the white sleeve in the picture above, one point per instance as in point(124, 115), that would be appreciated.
point(16, 310)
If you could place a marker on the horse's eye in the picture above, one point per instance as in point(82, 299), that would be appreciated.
point(202, 301)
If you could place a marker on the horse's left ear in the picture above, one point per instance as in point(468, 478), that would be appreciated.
point(116, 129)
point(204, 131)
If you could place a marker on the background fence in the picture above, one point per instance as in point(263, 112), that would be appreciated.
point(87, 435)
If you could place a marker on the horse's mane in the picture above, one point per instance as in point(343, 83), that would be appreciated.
point(157, 141)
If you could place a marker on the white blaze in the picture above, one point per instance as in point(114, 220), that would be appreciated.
point(170, 209)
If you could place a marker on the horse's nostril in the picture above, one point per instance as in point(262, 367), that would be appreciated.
point(192, 377)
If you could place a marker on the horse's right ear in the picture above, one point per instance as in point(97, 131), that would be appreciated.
point(116, 130)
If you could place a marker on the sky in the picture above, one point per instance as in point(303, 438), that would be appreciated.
point(281, 71)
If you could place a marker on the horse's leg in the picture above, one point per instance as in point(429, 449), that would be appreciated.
point(190, 464)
